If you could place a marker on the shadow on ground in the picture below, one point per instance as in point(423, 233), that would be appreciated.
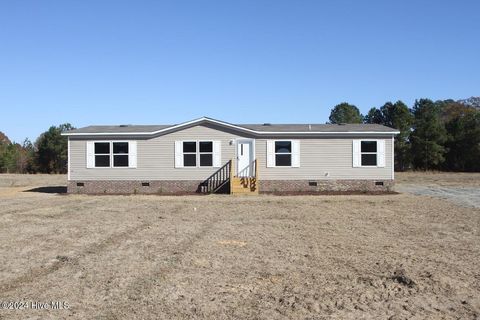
point(49, 189)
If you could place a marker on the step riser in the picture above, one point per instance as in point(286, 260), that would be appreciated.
point(244, 186)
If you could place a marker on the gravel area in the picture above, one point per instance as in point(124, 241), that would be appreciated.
point(460, 188)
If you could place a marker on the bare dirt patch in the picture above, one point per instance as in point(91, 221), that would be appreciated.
point(221, 257)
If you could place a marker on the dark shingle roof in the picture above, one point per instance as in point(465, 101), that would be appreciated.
point(317, 127)
point(257, 128)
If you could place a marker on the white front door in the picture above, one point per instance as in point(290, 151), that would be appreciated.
point(245, 158)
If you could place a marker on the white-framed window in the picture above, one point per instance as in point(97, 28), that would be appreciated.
point(120, 154)
point(283, 153)
point(369, 153)
point(189, 153)
point(205, 149)
point(197, 153)
point(111, 154)
point(102, 155)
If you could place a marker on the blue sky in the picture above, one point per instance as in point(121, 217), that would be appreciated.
point(163, 62)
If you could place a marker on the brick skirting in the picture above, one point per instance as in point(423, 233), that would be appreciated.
point(192, 186)
point(133, 187)
point(325, 186)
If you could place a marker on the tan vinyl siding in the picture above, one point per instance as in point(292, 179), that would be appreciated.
point(321, 156)
point(155, 159)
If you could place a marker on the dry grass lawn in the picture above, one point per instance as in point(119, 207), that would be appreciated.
point(221, 257)
point(463, 179)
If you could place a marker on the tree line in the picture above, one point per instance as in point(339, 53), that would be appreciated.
point(440, 135)
point(47, 155)
point(434, 135)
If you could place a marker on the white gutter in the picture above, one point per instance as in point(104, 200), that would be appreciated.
point(222, 124)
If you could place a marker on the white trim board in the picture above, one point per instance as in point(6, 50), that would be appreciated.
point(68, 159)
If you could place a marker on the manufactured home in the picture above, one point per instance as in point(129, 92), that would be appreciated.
point(208, 156)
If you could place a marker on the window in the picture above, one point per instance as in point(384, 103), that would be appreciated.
point(102, 154)
point(368, 153)
point(283, 153)
point(198, 153)
point(189, 153)
point(206, 153)
point(106, 151)
point(120, 154)
point(368, 150)
point(195, 154)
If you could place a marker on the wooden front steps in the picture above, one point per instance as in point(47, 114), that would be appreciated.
point(244, 185)
point(224, 180)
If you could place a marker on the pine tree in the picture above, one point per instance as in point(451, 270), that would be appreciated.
point(51, 146)
point(345, 113)
point(428, 135)
point(463, 138)
point(374, 116)
point(395, 115)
